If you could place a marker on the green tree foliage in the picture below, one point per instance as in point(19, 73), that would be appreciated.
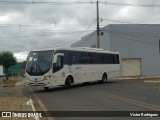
point(7, 59)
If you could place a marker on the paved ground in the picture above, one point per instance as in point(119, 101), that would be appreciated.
point(119, 95)
point(13, 98)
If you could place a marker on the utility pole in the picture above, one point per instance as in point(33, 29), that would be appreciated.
point(159, 46)
point(98, 38)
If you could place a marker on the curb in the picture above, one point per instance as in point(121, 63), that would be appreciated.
point(41, 104)
point(138, 78)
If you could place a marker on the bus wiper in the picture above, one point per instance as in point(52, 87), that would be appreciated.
point(39, 68)
point(31, 69)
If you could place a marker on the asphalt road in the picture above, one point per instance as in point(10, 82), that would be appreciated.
point(119, 95)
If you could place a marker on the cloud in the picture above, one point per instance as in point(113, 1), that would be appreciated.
point(26, 27)
point(21, 56)
point(4, 18)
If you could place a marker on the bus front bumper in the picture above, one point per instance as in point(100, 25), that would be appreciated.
point(43, 83)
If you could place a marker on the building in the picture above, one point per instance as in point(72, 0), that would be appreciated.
point(1, 72)
point(138, 45)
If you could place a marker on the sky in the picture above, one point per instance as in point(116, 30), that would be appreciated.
point(27, 25)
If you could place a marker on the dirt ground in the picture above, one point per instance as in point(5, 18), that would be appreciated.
point(13, 99)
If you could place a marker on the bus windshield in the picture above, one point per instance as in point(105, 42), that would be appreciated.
point(39, 62)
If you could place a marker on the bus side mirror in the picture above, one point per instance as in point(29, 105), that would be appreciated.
point(56, 56)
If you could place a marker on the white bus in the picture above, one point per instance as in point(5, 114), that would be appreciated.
point(67, 66)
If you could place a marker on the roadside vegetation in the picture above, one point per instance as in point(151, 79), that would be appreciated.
point(7, 59)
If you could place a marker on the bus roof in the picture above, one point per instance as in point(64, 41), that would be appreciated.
point(89, 49)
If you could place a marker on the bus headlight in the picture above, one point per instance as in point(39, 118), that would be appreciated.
point(47, 77)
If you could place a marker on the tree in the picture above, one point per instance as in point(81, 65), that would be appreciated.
point(7, 59)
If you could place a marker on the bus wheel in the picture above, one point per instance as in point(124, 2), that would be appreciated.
point(68, 82)
point(104, 78)
point(46, 88)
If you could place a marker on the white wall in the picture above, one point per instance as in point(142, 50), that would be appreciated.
point(132, 41)
point(1, 70)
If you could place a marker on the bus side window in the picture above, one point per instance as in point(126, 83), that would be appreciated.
point(59, 61)
point(59, 64)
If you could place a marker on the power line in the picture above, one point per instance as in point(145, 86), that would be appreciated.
point(116, 21)
point(70, 27)
point(52, 25)
point(142, 30)
point(81, 33)
point(115, 34)
point(44, 2)
point(138, 35)
point(77, 3)
point(129, 4)
point(123, 35)
point(42, 35)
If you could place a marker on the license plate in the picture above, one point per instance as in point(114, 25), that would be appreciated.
point(35, 83)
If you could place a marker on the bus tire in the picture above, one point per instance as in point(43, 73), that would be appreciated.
point(46, 88)
point(68, 82)
point(104, 78)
